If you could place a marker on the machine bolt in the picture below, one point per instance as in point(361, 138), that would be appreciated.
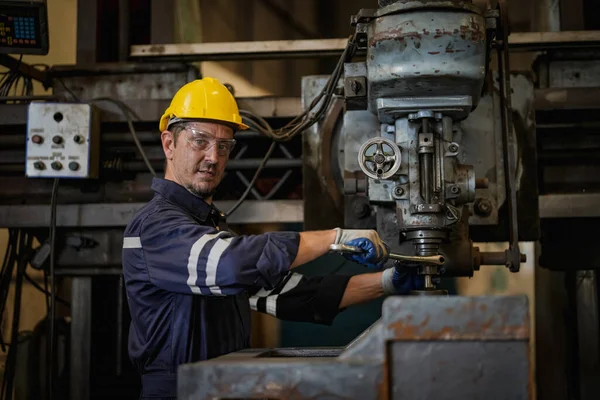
point(379, 158)
point(455, 190)
point(453, 148)
point(73, 166)
point(398, 191)
point(39, 165)
point(355, 86)
point(56, 165)
point(57, 139)
point(483, 207)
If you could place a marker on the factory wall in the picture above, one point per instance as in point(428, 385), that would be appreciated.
point(207, 21)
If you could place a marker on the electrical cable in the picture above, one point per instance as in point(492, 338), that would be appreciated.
point(315, 110)
point(36, 285)
point(47, 291)
point(7, 258)
point(254, 178)
point(53, 205)
point(10, 81)
point(300, 123)
point(25, 242)
point(7, 272)
point(127, 113)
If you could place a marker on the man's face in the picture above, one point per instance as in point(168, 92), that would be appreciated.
point(198, 158)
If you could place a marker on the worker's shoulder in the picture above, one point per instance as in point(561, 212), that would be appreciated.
point(157, 211)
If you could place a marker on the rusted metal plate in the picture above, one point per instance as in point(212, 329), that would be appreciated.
point(491, 370)
point(460, 318)
point(279, 378)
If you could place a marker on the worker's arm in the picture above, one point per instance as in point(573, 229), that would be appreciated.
point(362, 288)
point(395, 280)
point(177, 254)
point(183, 256)
point(313, 244)
point(319, 299)
point(316, 299)
point(316, 243)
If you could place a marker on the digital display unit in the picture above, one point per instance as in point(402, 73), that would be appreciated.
point(24, 27)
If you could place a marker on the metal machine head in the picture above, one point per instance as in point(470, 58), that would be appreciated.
point(405, 149)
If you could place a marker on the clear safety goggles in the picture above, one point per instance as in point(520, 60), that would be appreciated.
point(204, 141)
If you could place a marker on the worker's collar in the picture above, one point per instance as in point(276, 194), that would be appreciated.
point(181, 197)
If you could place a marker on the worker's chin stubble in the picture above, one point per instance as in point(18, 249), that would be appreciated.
point(201, 191)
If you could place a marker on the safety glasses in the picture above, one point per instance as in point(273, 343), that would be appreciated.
point(200, 140)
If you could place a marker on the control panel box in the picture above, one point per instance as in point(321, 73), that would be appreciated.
point(63, 141)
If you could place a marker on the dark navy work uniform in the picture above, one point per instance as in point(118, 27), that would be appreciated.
point(191, 284)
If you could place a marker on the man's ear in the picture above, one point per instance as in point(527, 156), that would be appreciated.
point(168, 144)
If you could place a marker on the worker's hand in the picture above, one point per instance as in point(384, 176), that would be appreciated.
point(401, 280)
point(375, 252)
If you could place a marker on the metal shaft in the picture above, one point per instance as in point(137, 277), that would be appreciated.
point(426, 167)
point(436, 260)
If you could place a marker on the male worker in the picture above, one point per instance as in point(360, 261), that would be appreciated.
point(191, 283)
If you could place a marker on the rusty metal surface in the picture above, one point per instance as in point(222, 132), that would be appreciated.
point(391, 6)
point(129, 82)
point(279, 378)
point(422, 348)
point(278, 49)
point(459, 370)
point(426, 54)
point(321, 174)
point(459, 318)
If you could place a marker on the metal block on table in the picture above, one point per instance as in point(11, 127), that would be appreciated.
point(421, 348)
point(457, 347)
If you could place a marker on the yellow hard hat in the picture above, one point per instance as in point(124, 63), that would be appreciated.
point(205, 99)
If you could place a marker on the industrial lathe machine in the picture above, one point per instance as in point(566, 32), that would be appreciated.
point(418, 144)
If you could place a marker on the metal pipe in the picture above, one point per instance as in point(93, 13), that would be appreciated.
point(426, 161)
point(124, 39)
point(253, 163)
point(496, 258)
point(588, 332)
point(140, 166)
point(250, 163)
point(438, 163)
point(426, 166)
point(27, 98)
point(88, 271)
point(119, 350)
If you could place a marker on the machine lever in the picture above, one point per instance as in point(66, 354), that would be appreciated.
point(435, 260)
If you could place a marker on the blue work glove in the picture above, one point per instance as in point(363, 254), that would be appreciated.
point(375, 252)
point(401, 280)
